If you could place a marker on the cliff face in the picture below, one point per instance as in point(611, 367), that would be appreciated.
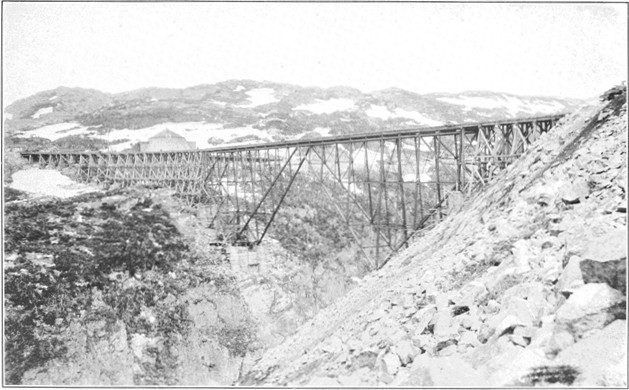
point(103, 289)
point(524, 285)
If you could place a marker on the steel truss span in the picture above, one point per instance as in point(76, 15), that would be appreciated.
point(394, 182)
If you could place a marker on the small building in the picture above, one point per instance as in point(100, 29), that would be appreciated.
point(165, 140)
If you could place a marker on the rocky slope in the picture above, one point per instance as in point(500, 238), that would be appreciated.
point(524, 285)
point(237, 111)
point(103, 289)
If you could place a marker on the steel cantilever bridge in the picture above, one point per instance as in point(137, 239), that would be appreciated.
point(392, 182)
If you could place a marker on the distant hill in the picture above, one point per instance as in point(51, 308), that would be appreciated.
point(238, 111)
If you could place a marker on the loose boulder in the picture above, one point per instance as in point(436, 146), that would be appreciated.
point(601, 358)
point(592, 306)
point(611, 272)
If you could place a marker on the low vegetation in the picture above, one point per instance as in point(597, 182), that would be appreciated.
point(86, 260)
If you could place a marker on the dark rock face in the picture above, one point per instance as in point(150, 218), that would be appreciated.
point(612, 272)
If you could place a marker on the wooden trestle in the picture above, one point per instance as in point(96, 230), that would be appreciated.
point(394, 181)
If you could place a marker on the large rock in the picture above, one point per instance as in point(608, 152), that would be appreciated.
point(507, 324)
point(550, 338)
point(426, 342)
point(356, 378)
point(559, 340)
point(469, 338)
point(322, 381)
point(612, 272)
point(472, 293)
point(570, 278)
point(406, 351)
point(519, 308)
point(442, 301)
point(605, 259)
point(502, 363)
point(582, 233)
point(610, 246)
point(601, 358)
point(423, 317)
point(445, 327)
point(524, 304)
point(592, 306)
point(389, 364)
point(451, 371)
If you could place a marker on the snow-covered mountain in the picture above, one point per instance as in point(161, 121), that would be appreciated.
point(245, 111)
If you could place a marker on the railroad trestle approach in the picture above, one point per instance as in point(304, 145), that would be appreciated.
point(391, 182)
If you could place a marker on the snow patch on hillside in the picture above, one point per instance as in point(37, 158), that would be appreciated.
point(418, 117)
point(56, 131)
point(328, 106)
point(384, 113)
point(228, 135)
point(323, 131)
point(42, 111)
point(46, 182)
point(239, 88)
point(379, 112)
point(198, 132)
point(514, 105)
point(471, 102)
point(260, 96)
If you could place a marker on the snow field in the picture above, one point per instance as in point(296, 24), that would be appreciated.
point(56, 131)
point(260, 96)
point(512, 104)
point(42, 111)
point(328, 106)
point(384, 113)
point(47, 182)
point(323, 131)
point(198, 132)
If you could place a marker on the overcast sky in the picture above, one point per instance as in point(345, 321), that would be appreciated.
point(533, 49)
